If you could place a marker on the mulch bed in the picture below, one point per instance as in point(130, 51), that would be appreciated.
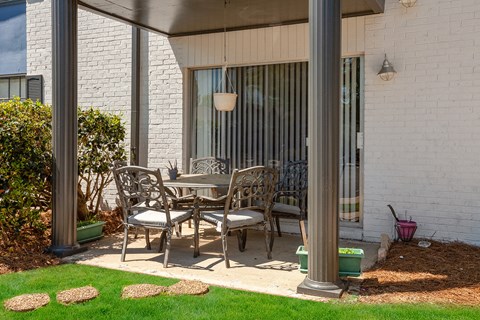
point(77, 295)
point(29, 253)
point(188, 287)
point(144, 290)
point(442, 273)
point(27, 302)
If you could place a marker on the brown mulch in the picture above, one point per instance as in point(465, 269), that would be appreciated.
point(29, 252)
point(113, 219)
point(441, 273)
point(188, 287)
point(27, 302)
point(77, 295)
point(136, 291)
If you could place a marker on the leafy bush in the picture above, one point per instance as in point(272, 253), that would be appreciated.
point(26, 163)
point(100, 143)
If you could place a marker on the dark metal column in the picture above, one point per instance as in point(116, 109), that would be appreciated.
point(65, 177)
point(323, 149)
point(140, 98)
point(135, 108)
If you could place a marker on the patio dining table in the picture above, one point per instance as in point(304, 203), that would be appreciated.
point(200, 181)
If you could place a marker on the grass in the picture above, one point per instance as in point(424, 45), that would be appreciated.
point(219, 303)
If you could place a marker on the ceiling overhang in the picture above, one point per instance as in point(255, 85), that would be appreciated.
point(187, 17)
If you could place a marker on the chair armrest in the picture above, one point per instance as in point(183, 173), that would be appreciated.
point(280, 194)
point(205, 199)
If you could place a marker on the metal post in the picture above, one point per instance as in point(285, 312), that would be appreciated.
point(140, 98)
point(323, 149)
point(135, 108)
point(65, 177)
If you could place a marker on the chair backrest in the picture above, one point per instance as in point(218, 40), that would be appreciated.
point(294, 177)
point(210, 165)
point(139, 188)
point(251, 188)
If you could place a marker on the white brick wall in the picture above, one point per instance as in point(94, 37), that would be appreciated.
point(104, 77)
point(422, 129)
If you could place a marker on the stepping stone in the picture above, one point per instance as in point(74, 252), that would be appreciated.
point(77, 295)
point(142, 291)
point(188, 287)
point(27, 302)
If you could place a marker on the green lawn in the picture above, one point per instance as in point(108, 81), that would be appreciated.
point(219, 303)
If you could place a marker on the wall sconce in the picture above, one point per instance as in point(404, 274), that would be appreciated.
point(408, 3)
point(387, 72)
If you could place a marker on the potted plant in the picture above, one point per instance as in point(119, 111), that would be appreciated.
point(172, 170)
point(100, 143)
point(349, 261)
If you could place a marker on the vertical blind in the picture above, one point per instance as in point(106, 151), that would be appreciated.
point(350, 120)
point(269, 123)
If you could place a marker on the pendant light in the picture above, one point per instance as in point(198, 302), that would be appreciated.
point(224, 101)
point(387, 72)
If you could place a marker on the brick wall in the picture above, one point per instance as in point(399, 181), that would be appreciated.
point(422, 130)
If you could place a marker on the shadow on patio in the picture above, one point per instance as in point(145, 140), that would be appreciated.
point(250, 270)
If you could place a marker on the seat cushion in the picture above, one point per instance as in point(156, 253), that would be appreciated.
point(285, 209)
point(158, 218)
point(235, 219)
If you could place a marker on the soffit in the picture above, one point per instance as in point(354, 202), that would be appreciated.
point(184, 17)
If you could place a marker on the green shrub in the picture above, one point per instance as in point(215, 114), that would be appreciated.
point(26, 163)
point(100, 143)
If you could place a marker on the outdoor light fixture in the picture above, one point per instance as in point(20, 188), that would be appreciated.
point(387, 72)
point(225, 101)
point(407, 3)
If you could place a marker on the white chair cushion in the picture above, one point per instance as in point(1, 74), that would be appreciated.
point(235, 219)
point(285, 208)
point(158, 218)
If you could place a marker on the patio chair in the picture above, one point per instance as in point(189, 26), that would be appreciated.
point(292, 189)
point(146, 205)
point(246, 206)
point(209, 165)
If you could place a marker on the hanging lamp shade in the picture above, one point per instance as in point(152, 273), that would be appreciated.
point(224, 101)
point(408, 3)
point(387, 72)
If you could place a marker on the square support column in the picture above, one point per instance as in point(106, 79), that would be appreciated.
point(323, 149)
point(65, 171)
point(140, 97)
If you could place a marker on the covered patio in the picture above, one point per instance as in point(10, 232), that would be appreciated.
point(175, 18)
point(250, 270)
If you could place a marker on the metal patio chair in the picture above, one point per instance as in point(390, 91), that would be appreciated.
point(246, 205)
point(209, 165)
point(146, 205)
point(292, 189)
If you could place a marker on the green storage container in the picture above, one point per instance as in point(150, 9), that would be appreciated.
point(349, 261)
point(90, 232)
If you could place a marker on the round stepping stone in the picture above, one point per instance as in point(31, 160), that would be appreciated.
point(27, 302)
point(188, 287)
point(77, 295)
point(142, 291)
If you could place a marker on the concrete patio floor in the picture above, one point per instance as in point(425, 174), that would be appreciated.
point(250, 270)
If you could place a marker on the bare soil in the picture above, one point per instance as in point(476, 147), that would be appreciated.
point(442, 273)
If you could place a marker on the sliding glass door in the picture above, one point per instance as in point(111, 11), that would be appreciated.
point(269, 123)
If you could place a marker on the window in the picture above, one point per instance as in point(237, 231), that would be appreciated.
point(14, 86)
point(269, 124)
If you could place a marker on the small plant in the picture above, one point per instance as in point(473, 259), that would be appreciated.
point(100, 143)
point(172, 170)
point(346, 251)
